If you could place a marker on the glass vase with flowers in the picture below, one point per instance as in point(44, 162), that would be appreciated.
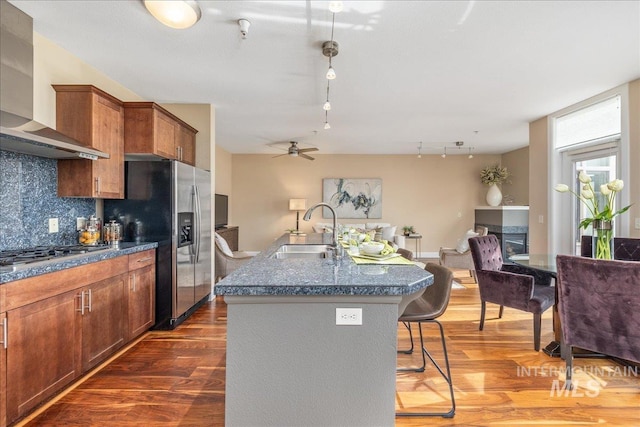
point(602, 211)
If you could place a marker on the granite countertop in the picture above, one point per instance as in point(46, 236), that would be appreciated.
point(56, 264)
point(264, 275)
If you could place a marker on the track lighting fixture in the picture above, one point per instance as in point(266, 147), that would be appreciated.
point(420, 150)
point(326, 106)
point(459, 145)
point(326, 120)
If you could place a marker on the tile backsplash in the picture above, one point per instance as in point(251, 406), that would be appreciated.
point(28, 198)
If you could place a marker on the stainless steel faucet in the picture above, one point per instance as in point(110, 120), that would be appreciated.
point(336, 247)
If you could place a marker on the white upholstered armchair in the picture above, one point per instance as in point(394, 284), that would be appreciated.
point(227, 261)
point(460, 256)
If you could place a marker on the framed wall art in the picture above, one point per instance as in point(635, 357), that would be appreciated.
point(353, 197)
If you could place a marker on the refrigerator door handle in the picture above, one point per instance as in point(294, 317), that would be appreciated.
point(198, 221)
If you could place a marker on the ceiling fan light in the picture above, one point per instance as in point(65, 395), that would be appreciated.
point(331, 73)
point(335, 6)
point(326, 106)
point(174, 14)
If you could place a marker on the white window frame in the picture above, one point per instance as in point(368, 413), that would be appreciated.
point(561, 206)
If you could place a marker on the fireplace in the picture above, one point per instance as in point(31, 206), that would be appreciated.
point(510, 224)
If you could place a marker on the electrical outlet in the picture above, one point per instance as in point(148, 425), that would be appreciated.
point(348, 316)
point(80, 223)
point(53, 225)
point(637, 223)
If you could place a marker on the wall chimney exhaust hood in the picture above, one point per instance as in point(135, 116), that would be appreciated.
point(18, 131)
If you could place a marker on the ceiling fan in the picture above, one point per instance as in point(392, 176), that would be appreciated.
point(294, 151)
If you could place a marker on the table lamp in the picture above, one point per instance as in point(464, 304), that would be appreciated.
point(297, 205)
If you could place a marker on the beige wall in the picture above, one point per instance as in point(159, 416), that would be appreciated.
point(54, 65)
point(517, 189)
point(223, 172)
point(538, 186)
point(437, 196)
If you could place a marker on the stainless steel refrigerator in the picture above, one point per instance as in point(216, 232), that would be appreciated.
point(169, 202)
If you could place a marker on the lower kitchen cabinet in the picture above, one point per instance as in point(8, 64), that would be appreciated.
point(43, 351)
point(62, 324)
point(141, 293)
point(3, 369)
point(103, 319)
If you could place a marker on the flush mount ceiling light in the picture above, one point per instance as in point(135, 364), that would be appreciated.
point(174, 14)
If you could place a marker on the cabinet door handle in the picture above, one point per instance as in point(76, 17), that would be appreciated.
point(90, 297)
point(81, 297)
point(97, 185)
point(144, 259)
point(4, 332)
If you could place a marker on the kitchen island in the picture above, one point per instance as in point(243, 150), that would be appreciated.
point(289, 363)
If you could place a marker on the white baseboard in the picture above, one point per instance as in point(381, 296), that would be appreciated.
point(435, 255)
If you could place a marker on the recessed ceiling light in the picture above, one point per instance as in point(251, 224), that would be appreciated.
point(174, 14)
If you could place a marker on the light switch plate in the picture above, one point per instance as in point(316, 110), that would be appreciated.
point(637, 223)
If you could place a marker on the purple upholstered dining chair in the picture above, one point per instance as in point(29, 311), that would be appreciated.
point(599, 307)
point(512, 285)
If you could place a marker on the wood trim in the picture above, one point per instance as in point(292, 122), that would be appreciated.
point(153, 105)
point(88, 88)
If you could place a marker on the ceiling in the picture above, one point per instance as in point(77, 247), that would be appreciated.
point(434, 72)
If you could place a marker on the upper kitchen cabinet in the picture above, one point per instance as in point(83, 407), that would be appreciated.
point(149, 129)
point(96, 119)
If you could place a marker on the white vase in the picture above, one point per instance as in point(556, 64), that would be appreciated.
point(494, 195)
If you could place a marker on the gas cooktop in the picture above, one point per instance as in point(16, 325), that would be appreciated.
point(16, 257)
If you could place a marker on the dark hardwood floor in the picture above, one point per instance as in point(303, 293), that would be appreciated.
point(176, 378)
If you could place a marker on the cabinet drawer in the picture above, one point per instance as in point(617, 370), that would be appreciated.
point(142, 259)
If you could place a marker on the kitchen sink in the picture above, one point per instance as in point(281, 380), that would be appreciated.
point(302, 251)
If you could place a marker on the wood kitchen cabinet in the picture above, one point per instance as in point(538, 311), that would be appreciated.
point(60, 325)
point(103, 320)
point(141, 292)
point(3, 369)
point(96, 119)
point(150, 129)
point(43, 353)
